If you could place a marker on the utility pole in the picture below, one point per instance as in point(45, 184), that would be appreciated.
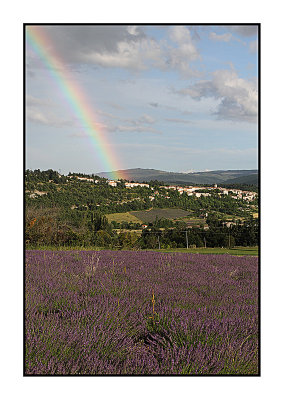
point(204, 241)
point(159, 242)
point(186, 239)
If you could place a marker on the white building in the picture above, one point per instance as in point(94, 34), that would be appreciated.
point(112, 183)
point(202, 194)
point(85, 179)
point(135, 184)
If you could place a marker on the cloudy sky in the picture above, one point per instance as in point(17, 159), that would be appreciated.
point(170, 97)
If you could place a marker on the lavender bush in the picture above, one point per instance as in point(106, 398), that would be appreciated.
point(108, 312)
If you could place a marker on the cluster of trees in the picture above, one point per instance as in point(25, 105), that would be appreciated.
point(91, 228)
point(158, 223)
point(50, 227)
point(37, 175)
point(218, 235)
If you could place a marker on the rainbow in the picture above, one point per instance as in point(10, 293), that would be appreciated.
point(75, 96)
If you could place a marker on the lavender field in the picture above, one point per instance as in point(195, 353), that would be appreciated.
point(127, 312)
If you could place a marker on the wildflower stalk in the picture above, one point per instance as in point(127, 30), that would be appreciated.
point(153, 302)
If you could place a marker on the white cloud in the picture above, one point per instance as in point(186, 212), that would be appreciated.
point(253, 46)
point(106, 114)
point(186, 52)
point(135, 128)
point(133, 55)
point(141, 123)
point(41, 111)
point(35, 115)
point(35, 101)
point(133, 30)
point(238, 97)
point(180, 34)
point(147, 119)
point(225, 37)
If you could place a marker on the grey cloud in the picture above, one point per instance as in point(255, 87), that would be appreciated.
point(140, 124)
point(172, 108)
point(230, 108)
point(178, 120)
point(238, 97)
point(245, 30)
point(123, 46)
point(73, 42)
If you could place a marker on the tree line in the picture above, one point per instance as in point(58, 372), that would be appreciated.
point(50, 227)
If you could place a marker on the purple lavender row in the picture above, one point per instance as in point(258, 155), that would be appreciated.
point(139, 313)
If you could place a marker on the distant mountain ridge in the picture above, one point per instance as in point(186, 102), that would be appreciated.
point(206, 177)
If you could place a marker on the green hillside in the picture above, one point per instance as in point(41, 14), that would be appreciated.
point(246, 179)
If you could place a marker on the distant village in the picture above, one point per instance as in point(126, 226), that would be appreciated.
point(196, 191)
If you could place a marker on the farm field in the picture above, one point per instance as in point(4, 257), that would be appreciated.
point(123, 217)
point(148, 215)
point(152, 214)
point(140, 312)
point(236, 251)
